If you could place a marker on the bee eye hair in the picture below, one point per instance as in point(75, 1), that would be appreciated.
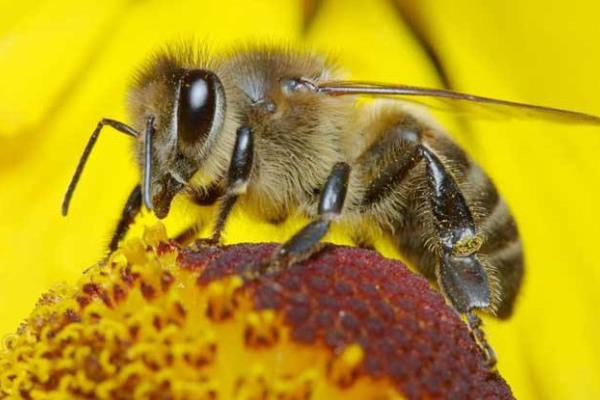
point(200, 106)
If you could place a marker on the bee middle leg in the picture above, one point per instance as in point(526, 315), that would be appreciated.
point(306, 242)
point(238, 176)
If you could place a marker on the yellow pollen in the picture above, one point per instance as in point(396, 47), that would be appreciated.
point(135, 251)
point(467, 246)
point(155, 234)
point(344, 368)
point(221, 299)
point(262, 328)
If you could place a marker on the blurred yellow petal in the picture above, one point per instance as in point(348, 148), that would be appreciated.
point(46, 50)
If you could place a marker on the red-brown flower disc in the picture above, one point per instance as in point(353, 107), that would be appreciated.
point(159, 321)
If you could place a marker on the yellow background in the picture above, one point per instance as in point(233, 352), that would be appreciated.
point(66, 63)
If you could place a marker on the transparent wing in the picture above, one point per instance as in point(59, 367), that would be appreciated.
point(448, 100)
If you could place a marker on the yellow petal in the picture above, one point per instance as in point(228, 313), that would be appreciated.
point(65, 64)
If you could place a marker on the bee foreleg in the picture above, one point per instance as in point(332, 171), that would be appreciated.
point(238, 175)
point(130, 211)
point(207, 197)
point(306, 242)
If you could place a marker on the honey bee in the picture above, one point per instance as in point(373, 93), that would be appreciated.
point(277, 132)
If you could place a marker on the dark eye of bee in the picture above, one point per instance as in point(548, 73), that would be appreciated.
point(200, 108)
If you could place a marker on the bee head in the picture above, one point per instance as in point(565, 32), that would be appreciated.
point(183, 112)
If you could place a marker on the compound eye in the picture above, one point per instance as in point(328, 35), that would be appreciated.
point(201, 106)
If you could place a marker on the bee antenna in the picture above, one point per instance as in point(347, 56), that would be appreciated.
point(119, 126)
point(147, 180)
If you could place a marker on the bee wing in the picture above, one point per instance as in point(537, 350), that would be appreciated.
point(461, 102)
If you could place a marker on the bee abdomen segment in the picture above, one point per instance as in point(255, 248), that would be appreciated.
point(504, 251)
point(509, 268)
point(499, 227)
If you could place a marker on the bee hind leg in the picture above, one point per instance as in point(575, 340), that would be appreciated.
point(307, 241)
point(474, 323)
point(460, 273)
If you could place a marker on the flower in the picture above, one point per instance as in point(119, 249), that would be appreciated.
point(65, 64)
point(160, 321)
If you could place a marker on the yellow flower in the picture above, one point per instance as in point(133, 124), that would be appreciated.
point(159, 321)
point(64, 64)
